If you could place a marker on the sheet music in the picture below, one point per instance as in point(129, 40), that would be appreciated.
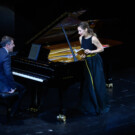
point(34, 51)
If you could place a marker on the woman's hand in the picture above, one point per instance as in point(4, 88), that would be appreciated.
point(87, 51)
point(83, 56)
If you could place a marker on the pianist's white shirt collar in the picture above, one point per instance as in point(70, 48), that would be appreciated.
point(5, 49)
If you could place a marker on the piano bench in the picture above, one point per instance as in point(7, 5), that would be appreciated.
point(6, 101)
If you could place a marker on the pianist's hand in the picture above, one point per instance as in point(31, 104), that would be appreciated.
point(12, 91)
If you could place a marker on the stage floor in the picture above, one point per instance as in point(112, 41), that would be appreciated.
point(119, 120)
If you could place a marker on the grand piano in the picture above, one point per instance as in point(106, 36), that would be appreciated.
point(49, 58)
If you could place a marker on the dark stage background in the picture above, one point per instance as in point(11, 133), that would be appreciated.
point(23, 19)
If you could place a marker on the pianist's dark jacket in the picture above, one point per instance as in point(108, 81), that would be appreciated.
point(6, 78)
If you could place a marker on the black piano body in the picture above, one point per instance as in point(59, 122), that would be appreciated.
point(41, 67)
point(40, 71)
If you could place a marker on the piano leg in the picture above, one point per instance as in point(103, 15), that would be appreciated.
point(108, 75)
point(62, 110)
point(61, 101)
point(107, 64)
point(35, 93)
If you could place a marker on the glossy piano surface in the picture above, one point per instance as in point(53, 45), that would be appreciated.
point(44, 67)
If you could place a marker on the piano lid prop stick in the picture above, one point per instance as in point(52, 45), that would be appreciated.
point(75, 59)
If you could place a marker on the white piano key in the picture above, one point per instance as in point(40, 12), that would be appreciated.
point(27, 76)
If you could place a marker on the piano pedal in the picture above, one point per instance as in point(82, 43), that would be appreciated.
point(109, 85)
point(61, 117)
point(33, 109)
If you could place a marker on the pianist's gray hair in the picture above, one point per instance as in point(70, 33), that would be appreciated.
point(6, 40)
point(85, 25)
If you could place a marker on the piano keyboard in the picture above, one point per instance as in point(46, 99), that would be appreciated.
point(27, 76)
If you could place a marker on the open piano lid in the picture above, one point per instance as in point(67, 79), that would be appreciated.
point(53, 32)
point(52, 38)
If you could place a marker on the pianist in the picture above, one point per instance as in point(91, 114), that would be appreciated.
point(7, 82)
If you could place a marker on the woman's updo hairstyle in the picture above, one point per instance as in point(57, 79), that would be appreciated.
point(85, 25)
